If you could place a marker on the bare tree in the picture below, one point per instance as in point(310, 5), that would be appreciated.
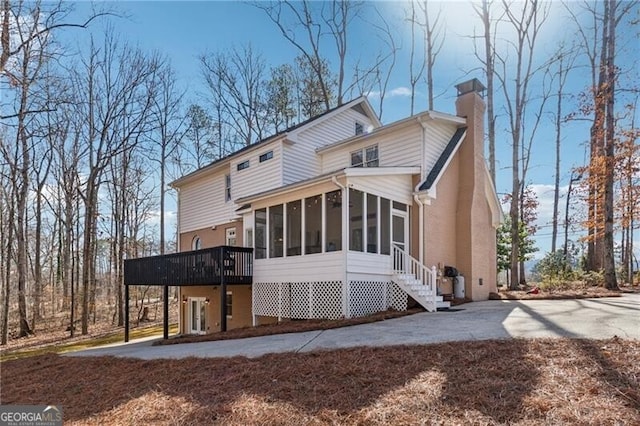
point(434, 36)
point(627, 168)
point(236, 82)
point(25, 72)
point(598, 37)
point(116, 87)
point(7, 217)
point(565, 63)
point(526, 20)
point(52, 15)
point(170, 127)
point(488, 61)
point(415, 75)
point(332, 19)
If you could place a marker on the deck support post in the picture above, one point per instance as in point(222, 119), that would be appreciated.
point(165, 320)
point(126, 313)
point(223, 291)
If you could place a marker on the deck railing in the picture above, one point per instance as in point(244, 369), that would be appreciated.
point(199, 267)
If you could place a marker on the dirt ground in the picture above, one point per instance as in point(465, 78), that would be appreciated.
point(53, 330)
point(524, 382)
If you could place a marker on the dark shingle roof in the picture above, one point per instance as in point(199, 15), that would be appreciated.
point(275, 135)
point(442, 160)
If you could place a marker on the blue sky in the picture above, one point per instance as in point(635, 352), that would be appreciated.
point(184, 30)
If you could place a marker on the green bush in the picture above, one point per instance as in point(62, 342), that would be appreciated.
point(556, 284)
point(553, 268)
point(592, 278)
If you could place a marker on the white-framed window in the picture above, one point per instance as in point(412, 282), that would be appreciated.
point(359, 128)
point(229, 303)
point(227, 188)
point(243, 165)
point(365, 157)
point(266, 156)
point(231, 236)
point(196, 243)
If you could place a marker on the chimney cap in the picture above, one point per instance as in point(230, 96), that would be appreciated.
point(469, 86)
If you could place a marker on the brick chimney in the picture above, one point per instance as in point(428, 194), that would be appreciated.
point(476, 244)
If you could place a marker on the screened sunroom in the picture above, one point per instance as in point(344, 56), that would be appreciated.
point(323, 247)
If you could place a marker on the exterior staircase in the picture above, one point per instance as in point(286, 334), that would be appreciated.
point(416, 280)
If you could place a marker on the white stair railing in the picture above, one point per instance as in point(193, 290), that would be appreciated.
point(405, 264)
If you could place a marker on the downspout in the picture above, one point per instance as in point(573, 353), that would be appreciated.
point(178, 228)
point(416, 198)
point(345, 245)
point(416, 192)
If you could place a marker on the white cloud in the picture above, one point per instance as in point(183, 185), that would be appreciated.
point(399, 91)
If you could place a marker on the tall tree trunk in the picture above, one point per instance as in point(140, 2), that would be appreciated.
point(7, 245)
point(608, 237)
point(556, 188)
point(88, 253)
point(21, 207)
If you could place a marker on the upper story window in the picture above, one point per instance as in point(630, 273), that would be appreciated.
point(365, 157)
point(227, 188)
point(359, 128)
point(266, 156)
point(243, 165)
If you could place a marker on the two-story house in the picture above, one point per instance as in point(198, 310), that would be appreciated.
point(344, 216)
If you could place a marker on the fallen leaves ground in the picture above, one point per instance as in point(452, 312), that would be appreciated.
point(527, 382)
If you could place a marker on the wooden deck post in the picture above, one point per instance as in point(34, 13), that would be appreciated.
point(165, 320)
point(223, 291)
point(126, 313)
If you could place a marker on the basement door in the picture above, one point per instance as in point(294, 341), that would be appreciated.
point(197, 315)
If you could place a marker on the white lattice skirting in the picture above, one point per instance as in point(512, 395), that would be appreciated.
point(326, 299)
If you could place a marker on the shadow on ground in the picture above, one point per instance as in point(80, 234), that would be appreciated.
point(453, 376)
point(551, 381)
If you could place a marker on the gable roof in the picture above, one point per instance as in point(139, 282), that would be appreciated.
point(444, 158)
point(454, 119)
point(361, 102)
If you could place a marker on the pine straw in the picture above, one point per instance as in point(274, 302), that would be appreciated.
point(294, 326)
point(581, 293)
point(527, 382)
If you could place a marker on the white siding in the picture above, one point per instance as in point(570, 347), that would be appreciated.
point(259, 176)
point(438, 135)
point(401, 148)
point(300, 159)
point(394, 187)
point(396, 149)
point(312, 267)
point(202, 203)
point(368, 263)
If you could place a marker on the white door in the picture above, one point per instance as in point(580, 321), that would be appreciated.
point(399, 234)
point(197, 315)
point(231, 236)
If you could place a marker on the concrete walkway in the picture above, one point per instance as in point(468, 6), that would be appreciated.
point(585, 318)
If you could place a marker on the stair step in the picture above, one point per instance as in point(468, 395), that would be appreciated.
point(443, 305)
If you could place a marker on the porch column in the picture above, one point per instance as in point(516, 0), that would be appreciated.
point(126, 313)
point(165, 321)
point(223, 292)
